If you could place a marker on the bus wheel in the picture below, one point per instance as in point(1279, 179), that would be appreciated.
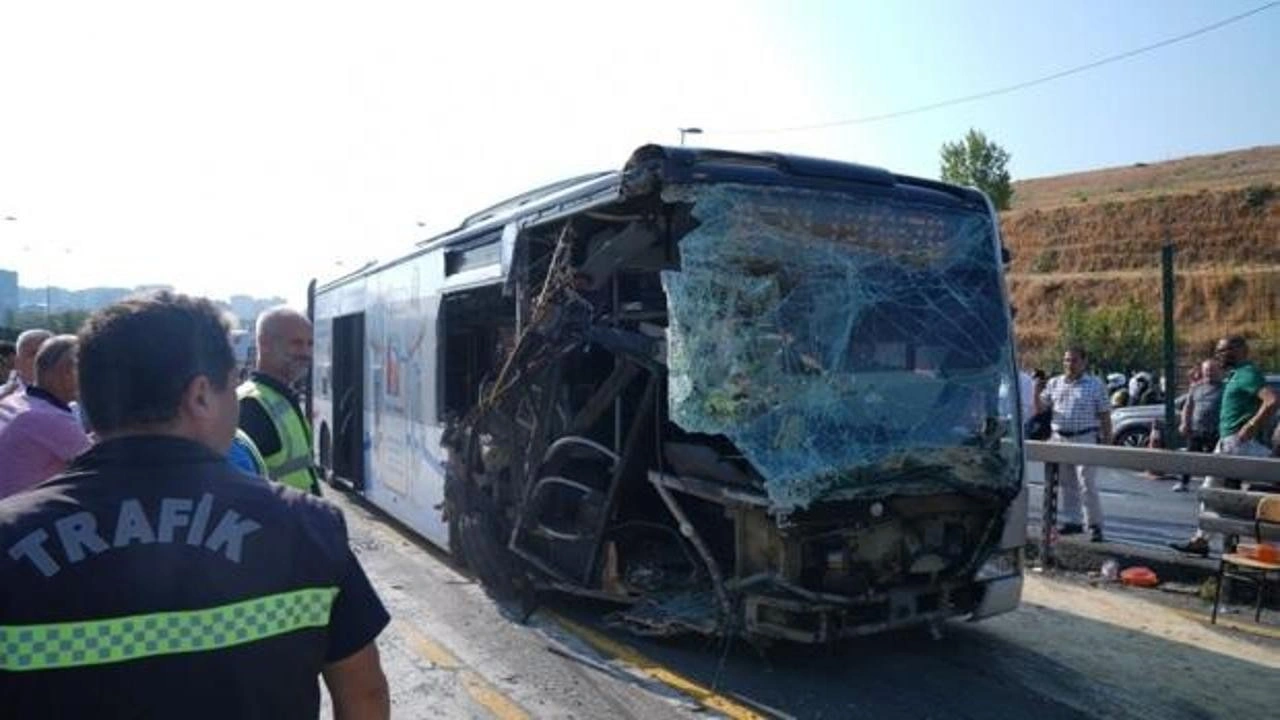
point(481, 543)
point(453, 513)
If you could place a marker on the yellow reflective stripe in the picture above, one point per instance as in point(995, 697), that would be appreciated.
point(281, 412)
point(121, 639)
point(292, 464)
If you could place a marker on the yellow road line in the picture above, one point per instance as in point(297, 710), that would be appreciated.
point(1245, 627)
point(491, 698)
point(432, 651)
point(480, 690)
point(702, 694)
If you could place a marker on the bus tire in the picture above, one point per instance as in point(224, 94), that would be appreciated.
point(481, 543)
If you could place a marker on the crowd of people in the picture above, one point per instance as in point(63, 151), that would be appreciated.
point(1243, 405)
point(1228, 410)
point(144, 572)
point(166, 552)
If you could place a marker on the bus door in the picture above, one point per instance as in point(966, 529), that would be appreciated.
point(348, 398)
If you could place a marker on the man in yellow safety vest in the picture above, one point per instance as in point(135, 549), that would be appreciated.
point(270, 413)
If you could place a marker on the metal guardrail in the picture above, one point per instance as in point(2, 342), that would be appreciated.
point(1172, 462)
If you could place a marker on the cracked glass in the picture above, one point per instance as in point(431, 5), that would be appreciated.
point(848, 345)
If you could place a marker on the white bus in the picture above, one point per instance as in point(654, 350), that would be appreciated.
point(733, 393)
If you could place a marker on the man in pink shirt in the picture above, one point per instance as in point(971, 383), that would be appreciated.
point(39, 433)
point(24, 361)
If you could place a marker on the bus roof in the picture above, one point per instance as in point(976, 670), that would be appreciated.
point(679, 165)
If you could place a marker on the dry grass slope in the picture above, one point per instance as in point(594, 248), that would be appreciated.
point(1097, 236)
point(1223, 171)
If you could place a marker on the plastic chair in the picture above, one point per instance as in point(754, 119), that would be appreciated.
point(1248, 569)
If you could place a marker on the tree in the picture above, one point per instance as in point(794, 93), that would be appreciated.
point(65, 321)
point(1123, 338)
point(979, 162)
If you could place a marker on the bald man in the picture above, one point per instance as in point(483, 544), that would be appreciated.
point(270, 413)
point(24, 361)
point(39, 433)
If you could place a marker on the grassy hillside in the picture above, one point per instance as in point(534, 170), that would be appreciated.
point(1224, 171)
point(1097, 236)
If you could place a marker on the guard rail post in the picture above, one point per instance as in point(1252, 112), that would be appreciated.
point(1049, 515)
point(1172, 462)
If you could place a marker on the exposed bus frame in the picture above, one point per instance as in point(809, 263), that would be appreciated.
point(485, 252)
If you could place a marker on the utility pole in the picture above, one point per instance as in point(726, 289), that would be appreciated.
point(1170, 362)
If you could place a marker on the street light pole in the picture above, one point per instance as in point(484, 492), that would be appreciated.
point(688, 131)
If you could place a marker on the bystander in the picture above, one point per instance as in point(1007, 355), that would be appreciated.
point(1199, 419)
point(152, 579)
point(1247, 406)
point(7, 350)
point(24, 361)
point(39, 433)
point(1080, 413)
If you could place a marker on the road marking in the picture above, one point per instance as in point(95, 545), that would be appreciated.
point(480, 690)
point(1244, 627)
point(491, 698)
point(702, 694)
point(432, 651)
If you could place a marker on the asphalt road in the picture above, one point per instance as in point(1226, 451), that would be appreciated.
point(451, 652)
point(1137, 509)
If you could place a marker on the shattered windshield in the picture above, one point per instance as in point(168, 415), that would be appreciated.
point(847, 345)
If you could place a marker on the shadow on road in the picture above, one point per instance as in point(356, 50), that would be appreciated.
point(975, 671)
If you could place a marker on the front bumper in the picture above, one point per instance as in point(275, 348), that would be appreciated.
point(999, 596)
point(804, 621)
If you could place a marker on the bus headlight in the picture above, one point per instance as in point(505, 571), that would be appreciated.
point(1001, 563)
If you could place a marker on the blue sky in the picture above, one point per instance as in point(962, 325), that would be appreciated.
point(1210, 93)
point(249, 145)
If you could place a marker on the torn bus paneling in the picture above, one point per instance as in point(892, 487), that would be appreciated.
point(740, 409)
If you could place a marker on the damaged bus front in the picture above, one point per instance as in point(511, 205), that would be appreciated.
point(745, 394)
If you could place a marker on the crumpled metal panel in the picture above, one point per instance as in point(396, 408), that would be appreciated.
point(843, 343)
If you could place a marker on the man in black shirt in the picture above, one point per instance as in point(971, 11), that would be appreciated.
point(152, 579)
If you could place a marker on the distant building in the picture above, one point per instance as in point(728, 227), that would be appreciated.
point(88, 300)
point(9, 298)
point(14, 298)
point(246, 308)
point(243, 346)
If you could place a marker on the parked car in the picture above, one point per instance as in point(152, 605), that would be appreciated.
point(1131, 426)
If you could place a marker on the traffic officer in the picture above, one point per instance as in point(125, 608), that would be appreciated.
point(153, 579)
point(270, 413)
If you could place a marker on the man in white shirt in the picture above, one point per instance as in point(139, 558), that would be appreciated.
point(1081, 414)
